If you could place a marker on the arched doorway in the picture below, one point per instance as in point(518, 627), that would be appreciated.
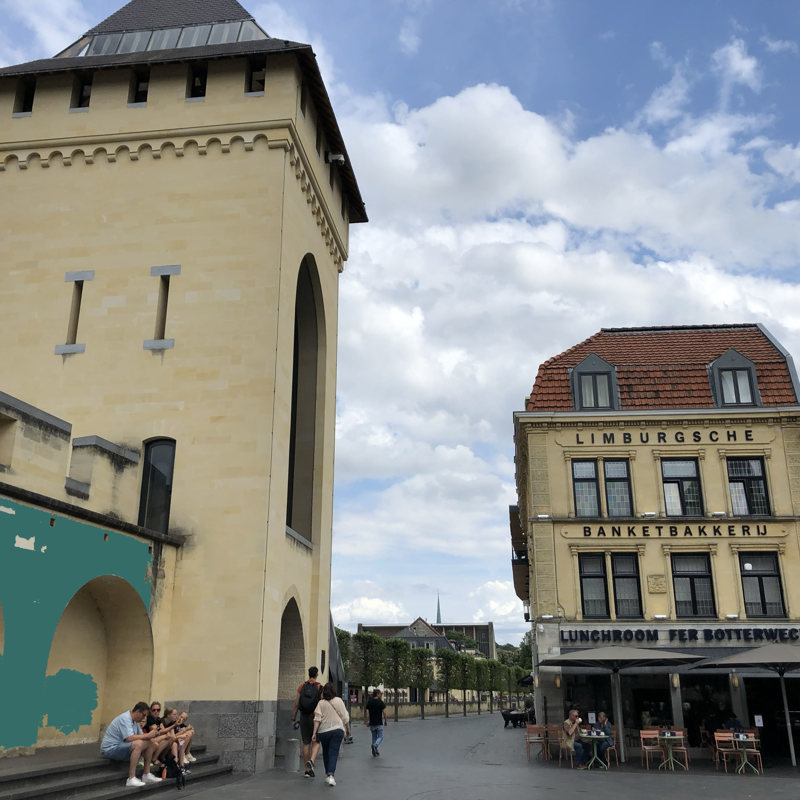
point(291, 673)
point(100, 661)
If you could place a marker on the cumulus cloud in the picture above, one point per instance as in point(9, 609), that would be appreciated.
point(54, 24)
point(369, 611)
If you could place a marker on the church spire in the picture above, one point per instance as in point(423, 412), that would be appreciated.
point(438, 610)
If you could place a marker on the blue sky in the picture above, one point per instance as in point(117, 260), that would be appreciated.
point(533, 171)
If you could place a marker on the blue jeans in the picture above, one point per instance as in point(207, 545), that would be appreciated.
point(330, 741)
point(580, 753)
point(377, 734)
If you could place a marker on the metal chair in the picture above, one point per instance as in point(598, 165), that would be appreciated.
point(612, 748)
point(648, 741)
point(724, 749)
point(536, 735)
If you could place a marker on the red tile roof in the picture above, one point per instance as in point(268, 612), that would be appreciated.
point(665, 367)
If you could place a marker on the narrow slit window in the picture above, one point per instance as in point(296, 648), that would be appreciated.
point(74, 312)
point(140, 85)
point(23, 99)
point(303, 99)
point(81, 91)
point(159, 340)
point(77, 279)
point(256, 75)
point(161, 311)
point(198, 76)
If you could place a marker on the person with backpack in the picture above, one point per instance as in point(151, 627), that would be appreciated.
point(308, 695)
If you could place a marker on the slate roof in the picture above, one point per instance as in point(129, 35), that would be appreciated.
point(666, 367)
point(143, 14)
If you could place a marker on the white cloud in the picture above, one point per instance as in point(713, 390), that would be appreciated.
point(668, 102)
point(53, 23)
point(779, 45)
point(409, 37)
point(735, 67)
point(369, 611)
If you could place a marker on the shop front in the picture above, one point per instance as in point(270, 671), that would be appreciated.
point(681, 694)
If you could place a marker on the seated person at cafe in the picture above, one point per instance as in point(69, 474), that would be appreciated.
point(604, 726)
point(570, 729)
point(732, 723)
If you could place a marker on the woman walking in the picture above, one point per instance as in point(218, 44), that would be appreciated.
point(331, 722)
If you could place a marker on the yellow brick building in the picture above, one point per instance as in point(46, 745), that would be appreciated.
point(176, 197)
point(658, 477)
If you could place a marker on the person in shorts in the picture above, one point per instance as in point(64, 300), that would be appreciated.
point(306, 718)
point(124, 740)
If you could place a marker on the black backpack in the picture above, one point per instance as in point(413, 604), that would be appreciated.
point(309, 697)
point(172, 770)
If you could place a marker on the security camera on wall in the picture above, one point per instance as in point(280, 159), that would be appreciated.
point(334, 158)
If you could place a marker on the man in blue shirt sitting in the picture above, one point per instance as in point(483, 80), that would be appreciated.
point(124, 740)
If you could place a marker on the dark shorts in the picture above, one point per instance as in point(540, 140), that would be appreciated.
point(306, 727)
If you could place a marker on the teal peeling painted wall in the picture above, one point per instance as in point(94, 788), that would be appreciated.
point(42, 565)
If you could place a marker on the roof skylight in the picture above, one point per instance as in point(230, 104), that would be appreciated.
point(104, 44)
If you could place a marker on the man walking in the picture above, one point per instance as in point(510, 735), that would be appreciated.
point(375, 719)
point(308, 694)
point(125, 741)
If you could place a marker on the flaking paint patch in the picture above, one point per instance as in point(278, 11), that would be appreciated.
point(25, 544)
point(6, 510)
point(70, 697)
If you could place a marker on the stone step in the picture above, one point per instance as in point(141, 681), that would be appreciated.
point(94, 779)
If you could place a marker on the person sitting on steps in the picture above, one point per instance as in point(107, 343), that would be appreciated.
point(124, 740)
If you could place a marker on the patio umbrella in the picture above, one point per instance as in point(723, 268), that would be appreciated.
point(779, 658)
point(615, 659)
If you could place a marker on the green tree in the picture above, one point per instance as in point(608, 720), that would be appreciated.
point(508, 655)
point(525, 659)
point(494, 668)
point(368, 659)
point(398, 654)
point(461, 641)
point(481, 678)
point(465, 676)
point(446, 660)
point(420, 674)
point(343, 640)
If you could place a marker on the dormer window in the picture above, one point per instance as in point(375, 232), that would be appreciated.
point(733, 380)
point(594, 385)
point(595, 390)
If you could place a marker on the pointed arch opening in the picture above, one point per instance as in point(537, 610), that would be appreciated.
point(308, 389)
point(291, 673)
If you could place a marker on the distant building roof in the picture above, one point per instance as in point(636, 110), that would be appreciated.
point(666, 367)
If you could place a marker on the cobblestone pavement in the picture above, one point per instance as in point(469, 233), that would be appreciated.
point(476, 758)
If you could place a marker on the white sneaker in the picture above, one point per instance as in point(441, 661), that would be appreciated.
point(148, 777)
point(189, 757)
point(330, 780)
point(133, 782)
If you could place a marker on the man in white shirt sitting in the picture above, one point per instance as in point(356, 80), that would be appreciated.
point(125, 741)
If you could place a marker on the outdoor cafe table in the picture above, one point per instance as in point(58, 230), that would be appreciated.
point(670, 739)
point(742, 740)
point(595, 737)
